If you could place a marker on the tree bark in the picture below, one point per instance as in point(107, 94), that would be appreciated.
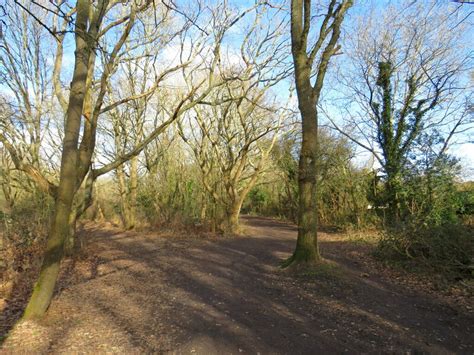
point(128, 193)
point(232, 217)
point(392, 196)
point(304, 56)
point(44, 287)
point(133, 192)
point(123, 190)
point(69, 243)
point(307, 250)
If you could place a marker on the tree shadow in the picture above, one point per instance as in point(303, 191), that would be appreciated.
point(22, 287)
point(228, 296)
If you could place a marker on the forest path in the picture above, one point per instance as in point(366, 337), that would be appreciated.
point(135, 292)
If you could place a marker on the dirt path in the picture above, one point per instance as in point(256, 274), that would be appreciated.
point(139, 293)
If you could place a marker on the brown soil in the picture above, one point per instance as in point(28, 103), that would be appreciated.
point(143, 293)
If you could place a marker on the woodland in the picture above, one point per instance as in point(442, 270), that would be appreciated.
point(227, 176)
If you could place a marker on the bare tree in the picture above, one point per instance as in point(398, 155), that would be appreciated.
point(231, 143)
point(232, 132)
point(199, 54)
point(311, 64)
point(405, 85)
point(80, 127)
point(27, 108)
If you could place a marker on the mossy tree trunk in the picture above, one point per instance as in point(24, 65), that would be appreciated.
point(128, 193)
point(304, 57)
point(44, 287)
point(133, 183)
point(81, 119)
point(231, 224)
point(83, 199)
point(124, 194)
point(307, 250)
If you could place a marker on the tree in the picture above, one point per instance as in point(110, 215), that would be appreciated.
point(406, 82)
point(200, 77)
point(108, 34)
point(27, 107)
point(80, 117)
point(342, 187)
point(311, 61)
point(231, 143)
point(232, 133)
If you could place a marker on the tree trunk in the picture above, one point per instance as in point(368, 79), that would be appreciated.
point(44, 287)
point(133, 192)
point(232, 220)
point(203, 213)
point(124, 202)
point(307, 250)
point(393, 197)
point(70, 238)
point(128, 193)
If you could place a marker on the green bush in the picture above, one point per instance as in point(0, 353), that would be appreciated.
point(432, 232)
point(173, 203)
point(447, 248)
point(466, 199)
point(342, 187)
point(256, 201)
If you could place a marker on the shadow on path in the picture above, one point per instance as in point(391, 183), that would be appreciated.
point(143, 293)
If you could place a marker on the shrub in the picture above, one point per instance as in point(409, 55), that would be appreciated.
point(447, 248)
point(433, 229)
point(23, 230)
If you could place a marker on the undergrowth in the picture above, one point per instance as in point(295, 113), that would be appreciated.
point(447, 249)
